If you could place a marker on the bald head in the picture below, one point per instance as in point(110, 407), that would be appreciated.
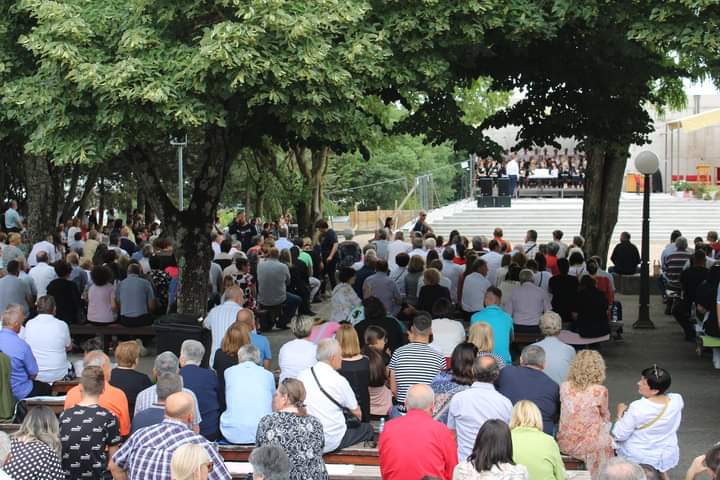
point(235, 294)
point(420, 397)
point(247, 317)
point(180, 406)
point(12, 317)
point(97, 358)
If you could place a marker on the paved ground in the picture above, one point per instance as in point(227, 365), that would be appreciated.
point(693, 377)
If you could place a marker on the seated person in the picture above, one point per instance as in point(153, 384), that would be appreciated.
point(529, 382)
point(167, 384)
point(431, 291)
point(88, 432)
point(23, 366)
point(66, 294)
point(125, 376)
point(527, 303)
point(625, 257)
point(375, 314)
point(136, 298)
point(49, 339)
point(591, 320)
point(335, 388)
point(500, 322)
point(447, 333)
point(111, 398)
point(204, 384)
point(249, 391)
point(563, 288)
point(558, 355)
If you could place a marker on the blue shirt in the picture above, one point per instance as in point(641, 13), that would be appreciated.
point(204, 383)
point(502, 327)
point(249, 390)
point(148, 417)
point(12, 218)
point(22, 362)
point(262, 344)
point(526, 383)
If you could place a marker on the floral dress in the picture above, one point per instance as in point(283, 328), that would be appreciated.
point(344, 300)
point(301, 438)
point(584, 430)
point(444, 388)
point(246, 281)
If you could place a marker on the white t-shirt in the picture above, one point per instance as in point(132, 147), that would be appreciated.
point(321, 407)
point(474, 288)
point(512, 168)
point(43, 246)
point(447, 334)
point(42, 274)
point(395, 247)
point(493, 261)
point(48, 338)
point(295, 356)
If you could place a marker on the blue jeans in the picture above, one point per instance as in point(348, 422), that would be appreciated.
point(513, 184)
point(292, 302)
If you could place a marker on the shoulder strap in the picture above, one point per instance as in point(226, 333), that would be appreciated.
point(657, 418)
point(312, 370)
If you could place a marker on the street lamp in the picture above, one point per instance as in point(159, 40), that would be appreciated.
point(646, 163)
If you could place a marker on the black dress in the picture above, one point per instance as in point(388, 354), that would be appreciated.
point(131, 382)
point(357, 373)
point(564, 293)
point(222, 362)
point(592, 320)
point(68, 303)
point(396, 338)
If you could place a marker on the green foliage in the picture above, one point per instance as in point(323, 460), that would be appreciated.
point(395, 162)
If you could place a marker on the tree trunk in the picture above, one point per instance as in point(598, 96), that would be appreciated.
point(68, 198)
point(101, 207)
point(89, 185)
point(313, 166)
point(41, 213)
point(603, 185)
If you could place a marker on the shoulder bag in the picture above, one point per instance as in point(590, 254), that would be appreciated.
point(351, 421)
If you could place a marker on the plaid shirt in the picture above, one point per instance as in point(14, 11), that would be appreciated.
point(147, 453)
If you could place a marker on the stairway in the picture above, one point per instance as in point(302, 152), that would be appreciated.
point(692, 217)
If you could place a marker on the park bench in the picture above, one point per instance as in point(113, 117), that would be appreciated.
point(56, 404)
point(63, 386)
point(111, 330)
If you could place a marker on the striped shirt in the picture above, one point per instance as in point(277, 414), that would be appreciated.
point(412, 364)
point(218, 321)
point(675, 264)
point(148, 452)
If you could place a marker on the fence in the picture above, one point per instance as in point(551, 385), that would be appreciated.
point(374, 219)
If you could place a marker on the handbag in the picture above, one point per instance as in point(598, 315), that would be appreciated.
point(655, 420)
point(351, 421)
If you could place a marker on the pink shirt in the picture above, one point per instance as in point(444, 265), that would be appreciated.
point(323, 331)
point(100, 304)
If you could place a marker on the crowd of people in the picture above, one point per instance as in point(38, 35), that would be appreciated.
point(419, 338)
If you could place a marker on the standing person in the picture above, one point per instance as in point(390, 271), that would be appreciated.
point(421, 224)
point(13, 220)
point(23, 366)
point(328, 251)
point(148, 453)
point(415, 362)
point(35, 448)
point(471, 408)
point(431, 443)
point(291, 428)
point(513, 172)
point(492, 456)
point(646, 431)
point(89, 433)
point(584, 430)
point(49, 339)
point(329, 395)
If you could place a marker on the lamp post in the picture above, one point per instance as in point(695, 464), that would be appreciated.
point(179, 142)
point(647, 163)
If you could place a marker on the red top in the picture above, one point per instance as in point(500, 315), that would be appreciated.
point(551, 264)
point(414, 446)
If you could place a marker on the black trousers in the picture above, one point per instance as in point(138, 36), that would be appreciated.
point(40, 389)
point(363, 433)
point(141, 321)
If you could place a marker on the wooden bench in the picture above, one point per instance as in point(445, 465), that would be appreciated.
point(240, 470)
point(57, 405)
point(522, 339)
point(111, 330)
point(63, 386)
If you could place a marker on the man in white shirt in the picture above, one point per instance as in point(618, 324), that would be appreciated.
point(558, 355)
point(42, 273)
point(397, 246)
point(325, 389)
point(283, 243)
point(42, 246)
point(418, 247)
point(49, 339)
point(452, 271)
point(512, 169)
point(527, 303)
point(474, 287)
point(221, 317)
point(447, 333)
point(562, 246)
point(493, 259)
point(215, 240)
point(530, 248)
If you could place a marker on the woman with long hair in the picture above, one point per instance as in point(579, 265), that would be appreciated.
point(297, 433)
point(226, 356)
point(492, 456)
point(35, 449)
point(375, 350)
point(355, 367)
point(584, 430)
point(455, 379)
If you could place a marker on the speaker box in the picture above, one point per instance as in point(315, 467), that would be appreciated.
point(485, 202)
point(502, 202)
point(485, 185)
point(504, 187)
